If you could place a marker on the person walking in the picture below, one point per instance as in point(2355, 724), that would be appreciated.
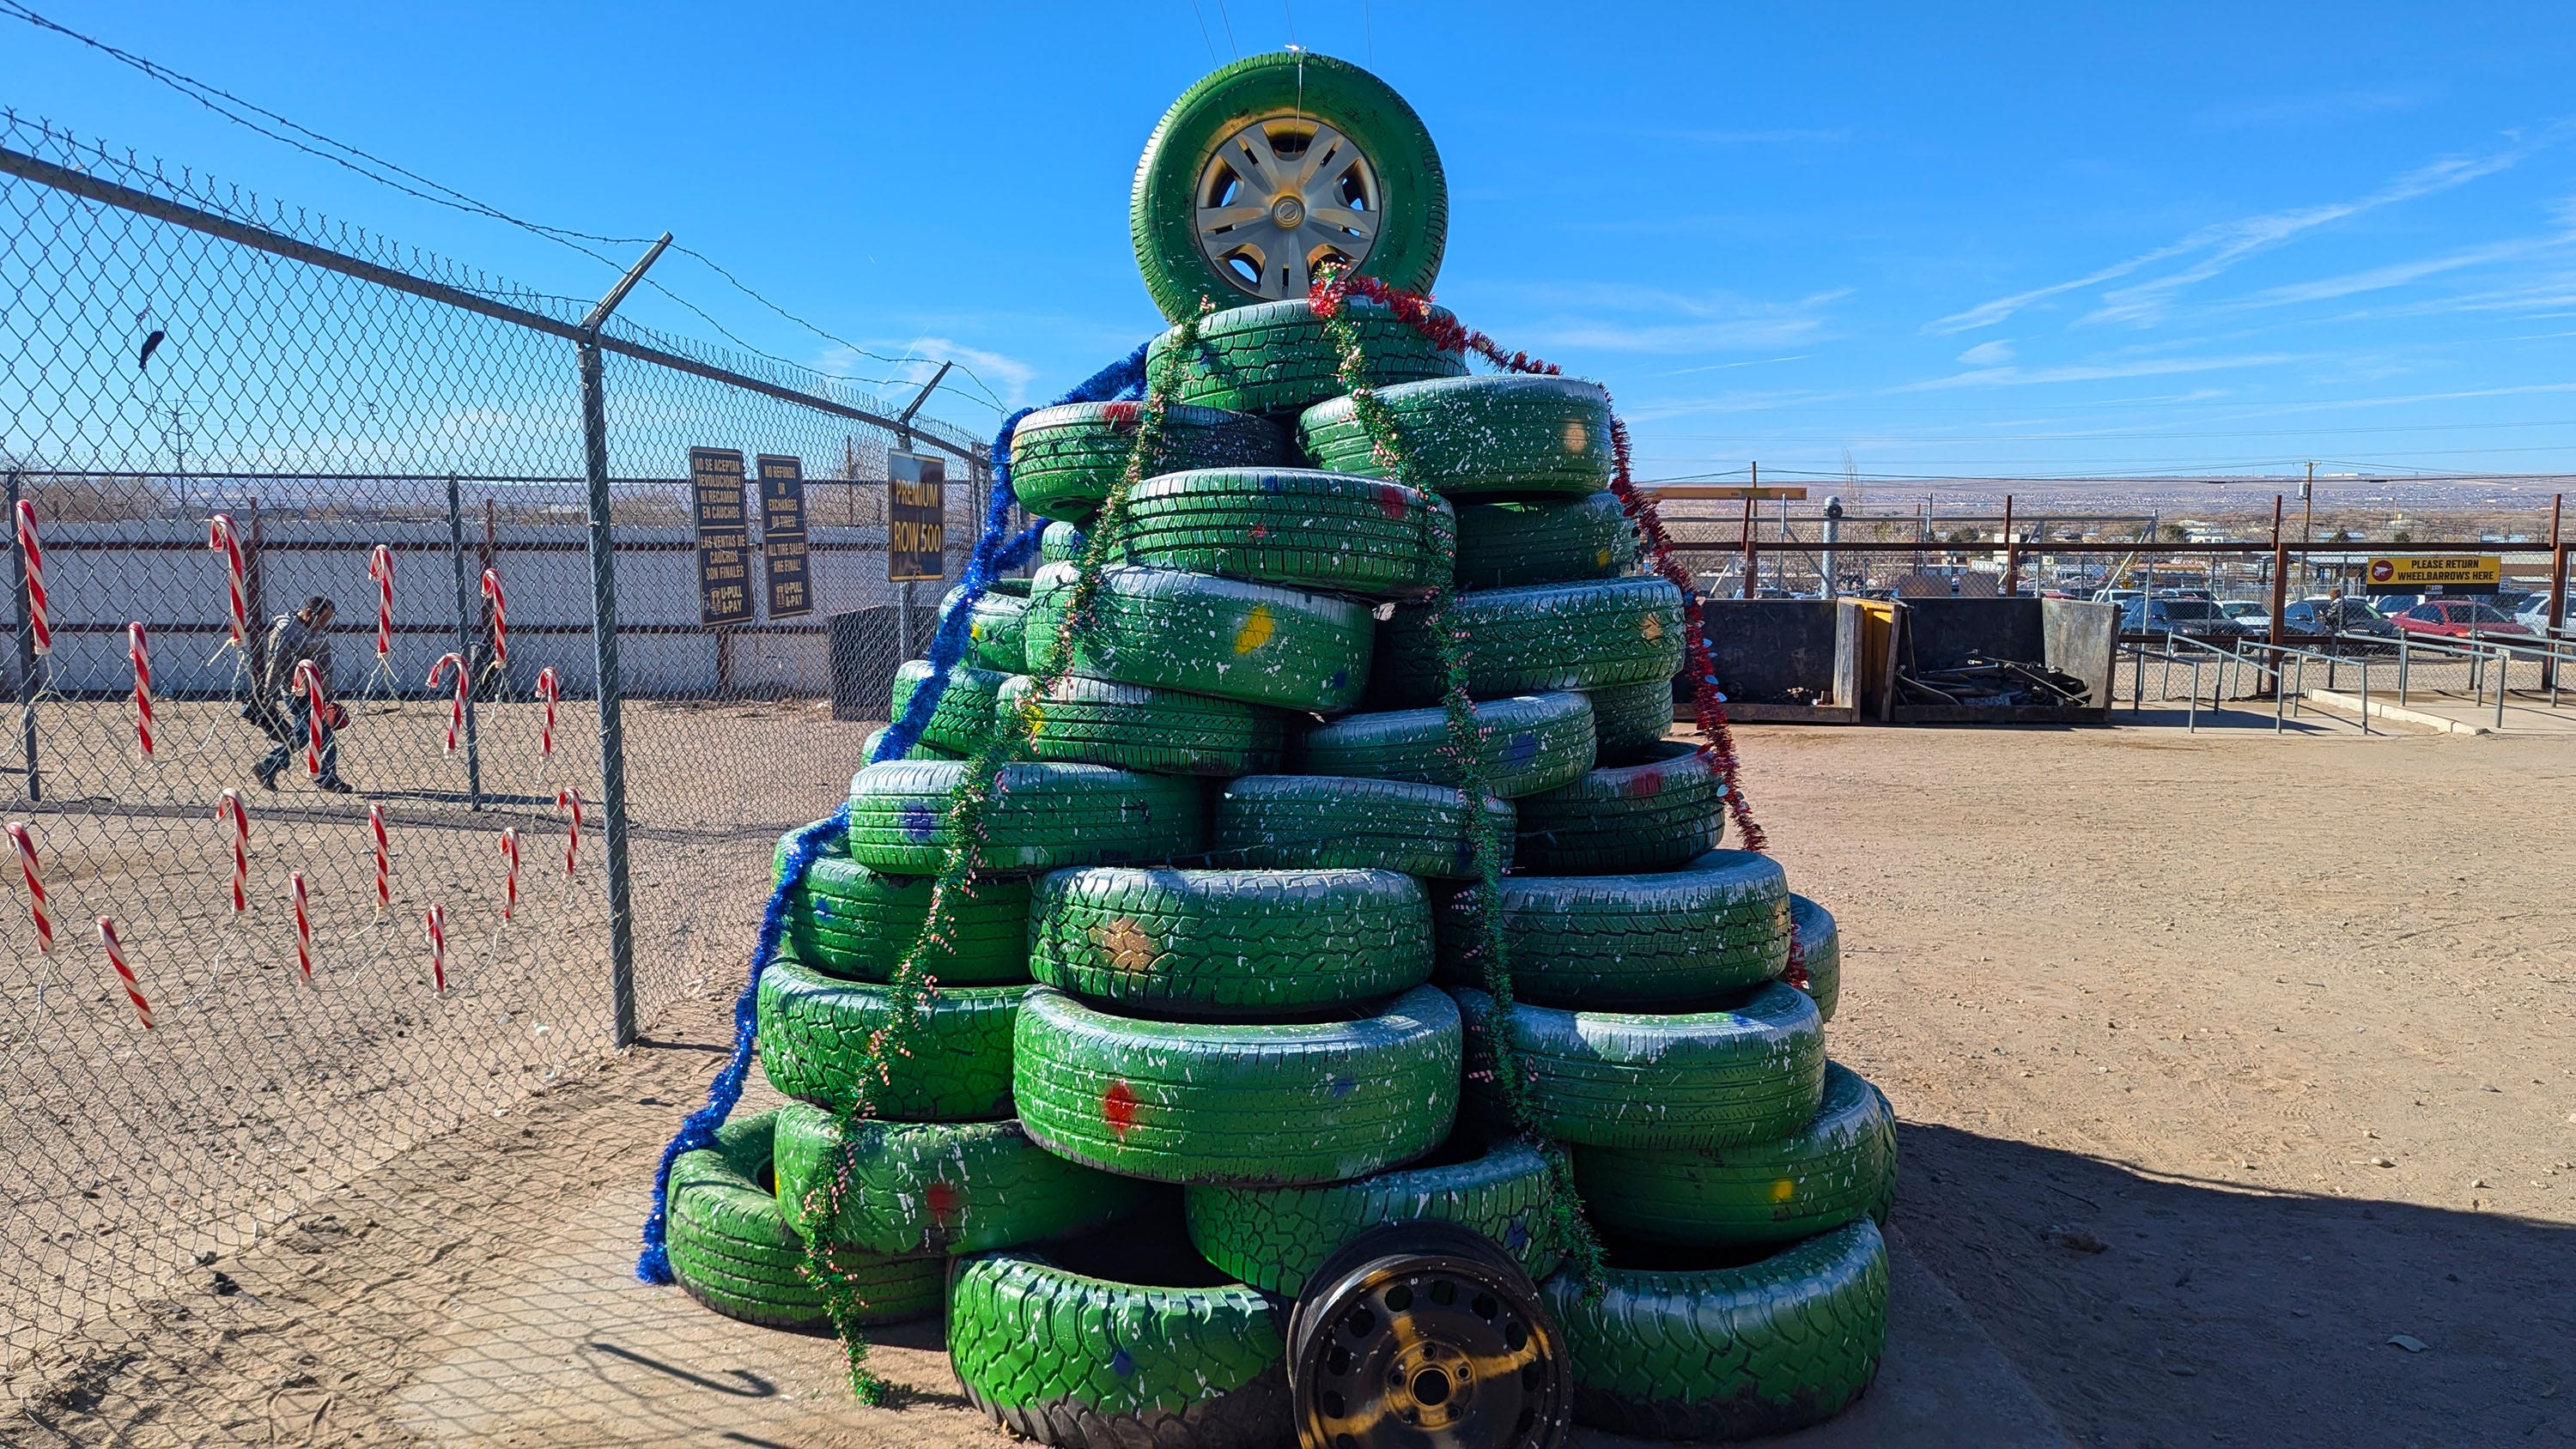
point(279, 704)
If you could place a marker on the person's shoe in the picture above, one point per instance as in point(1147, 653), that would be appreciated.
point(267, 779)
point(335, 785)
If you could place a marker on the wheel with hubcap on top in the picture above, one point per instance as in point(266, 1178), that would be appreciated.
point(1273, 167)
point(1422, 1334)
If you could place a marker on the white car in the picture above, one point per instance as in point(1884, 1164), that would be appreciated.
point(2247, 615)
point(2535, 612)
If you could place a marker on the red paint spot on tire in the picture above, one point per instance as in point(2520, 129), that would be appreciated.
point(1118, 1107)
point(1645, 785)
point(1120, 416)
point(942, 1199)
point(1390, 501)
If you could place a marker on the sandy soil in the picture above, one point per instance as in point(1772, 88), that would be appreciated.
point(2238, 1080)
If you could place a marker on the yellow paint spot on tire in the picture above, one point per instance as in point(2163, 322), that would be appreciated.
point(1256, 631)
point(1601, 560)
point(1653, 627)
point(1576, 436)
point(1130, 946)
point(1783, 1190)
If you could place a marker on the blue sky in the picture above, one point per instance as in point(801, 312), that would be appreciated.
point(2049, 239)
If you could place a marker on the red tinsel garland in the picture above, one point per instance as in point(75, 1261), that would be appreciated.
point(1449, 335)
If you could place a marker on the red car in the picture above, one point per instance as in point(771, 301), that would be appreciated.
point(2458, 619)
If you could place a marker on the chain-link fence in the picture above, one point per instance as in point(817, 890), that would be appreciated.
point(405, 439)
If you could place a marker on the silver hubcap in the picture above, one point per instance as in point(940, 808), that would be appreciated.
point(1279, 199)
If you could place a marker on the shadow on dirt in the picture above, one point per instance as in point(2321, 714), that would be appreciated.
point(2159, 1311)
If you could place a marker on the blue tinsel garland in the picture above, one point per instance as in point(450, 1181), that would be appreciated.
point(993, 554)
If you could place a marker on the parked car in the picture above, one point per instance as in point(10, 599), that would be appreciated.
point(2459, 619)
point(2534, 614)
point(2327, 614)
point(2176, 616)
point(2247, 614)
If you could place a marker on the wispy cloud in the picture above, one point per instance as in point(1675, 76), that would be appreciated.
point(2217, 247)
point(991, 377)
point(2096, 371)
point(1988, 354)
point(2314, 109)
point(1618, 318)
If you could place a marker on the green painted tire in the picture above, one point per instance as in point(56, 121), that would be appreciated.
point(1701, 1079)
point(1837, 1169)
point(1065, 459)
point(1524, 641)
point(1398, 178)
point(733, 1251)
point(919, 751)
point(1040, 817)
point(1064, 1347)
point(1513, 545)
point(1282, 822)
point(1157, 731)
point(1268, 1103)
point(936, 1187)
point(1631, 942)
point(1060, 543)
point(1731, 1353)
point(1299, 527)
point(848, 920)
point(1257, 643)
point(1510, 436)
point(1657, 815)
point(963, 721)
point(996, 627)
point(1274, 1238)
point(1820, 948)
point(813, 1032)
point(1628, 719)
point(1277, 358)
point(1230, 943)
point(1531, 743)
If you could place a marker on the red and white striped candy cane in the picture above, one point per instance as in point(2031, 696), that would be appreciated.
point(139, 651)
point(510, 874)
point(500, 618)
point(125, 973)
point(221, 538)
point(435, 919)
point(380, 567)
point(229, 811)
point(36, 907)
point(548, 690)
point(451, 661)
point(565, 799)
point(384, 857)
point(39, 618)
point(308, 682)
point(303, 924)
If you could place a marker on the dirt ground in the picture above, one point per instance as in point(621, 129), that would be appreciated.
point(2237, 1077)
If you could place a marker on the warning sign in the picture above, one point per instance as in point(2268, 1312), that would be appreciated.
point(2426, 573)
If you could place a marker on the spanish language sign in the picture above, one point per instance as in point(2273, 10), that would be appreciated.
point(724, 537)
point(782, 536)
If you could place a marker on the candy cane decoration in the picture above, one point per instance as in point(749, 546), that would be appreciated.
point(500, 620)
point(384, 857)
point(565, 799)
point(308, 682)
point(380, 567)
point(303, 924)
point(456, 712)
point(39, 617)
point(510, 876)
point(140, 652)
point(221, 538)
point(229, 811)
point(36, 908)
point(435, 919)
point(548, 690)
point(125, 973)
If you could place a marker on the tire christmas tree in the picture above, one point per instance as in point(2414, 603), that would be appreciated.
point(1276, 935)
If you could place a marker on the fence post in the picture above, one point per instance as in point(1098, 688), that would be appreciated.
point(26, 656)
point(464, 644)
point(603, 633)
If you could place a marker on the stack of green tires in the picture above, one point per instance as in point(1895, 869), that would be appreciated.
point(1222, 997)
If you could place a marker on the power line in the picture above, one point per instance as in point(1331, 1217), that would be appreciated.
point(437, 193)
point(1203, 32)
